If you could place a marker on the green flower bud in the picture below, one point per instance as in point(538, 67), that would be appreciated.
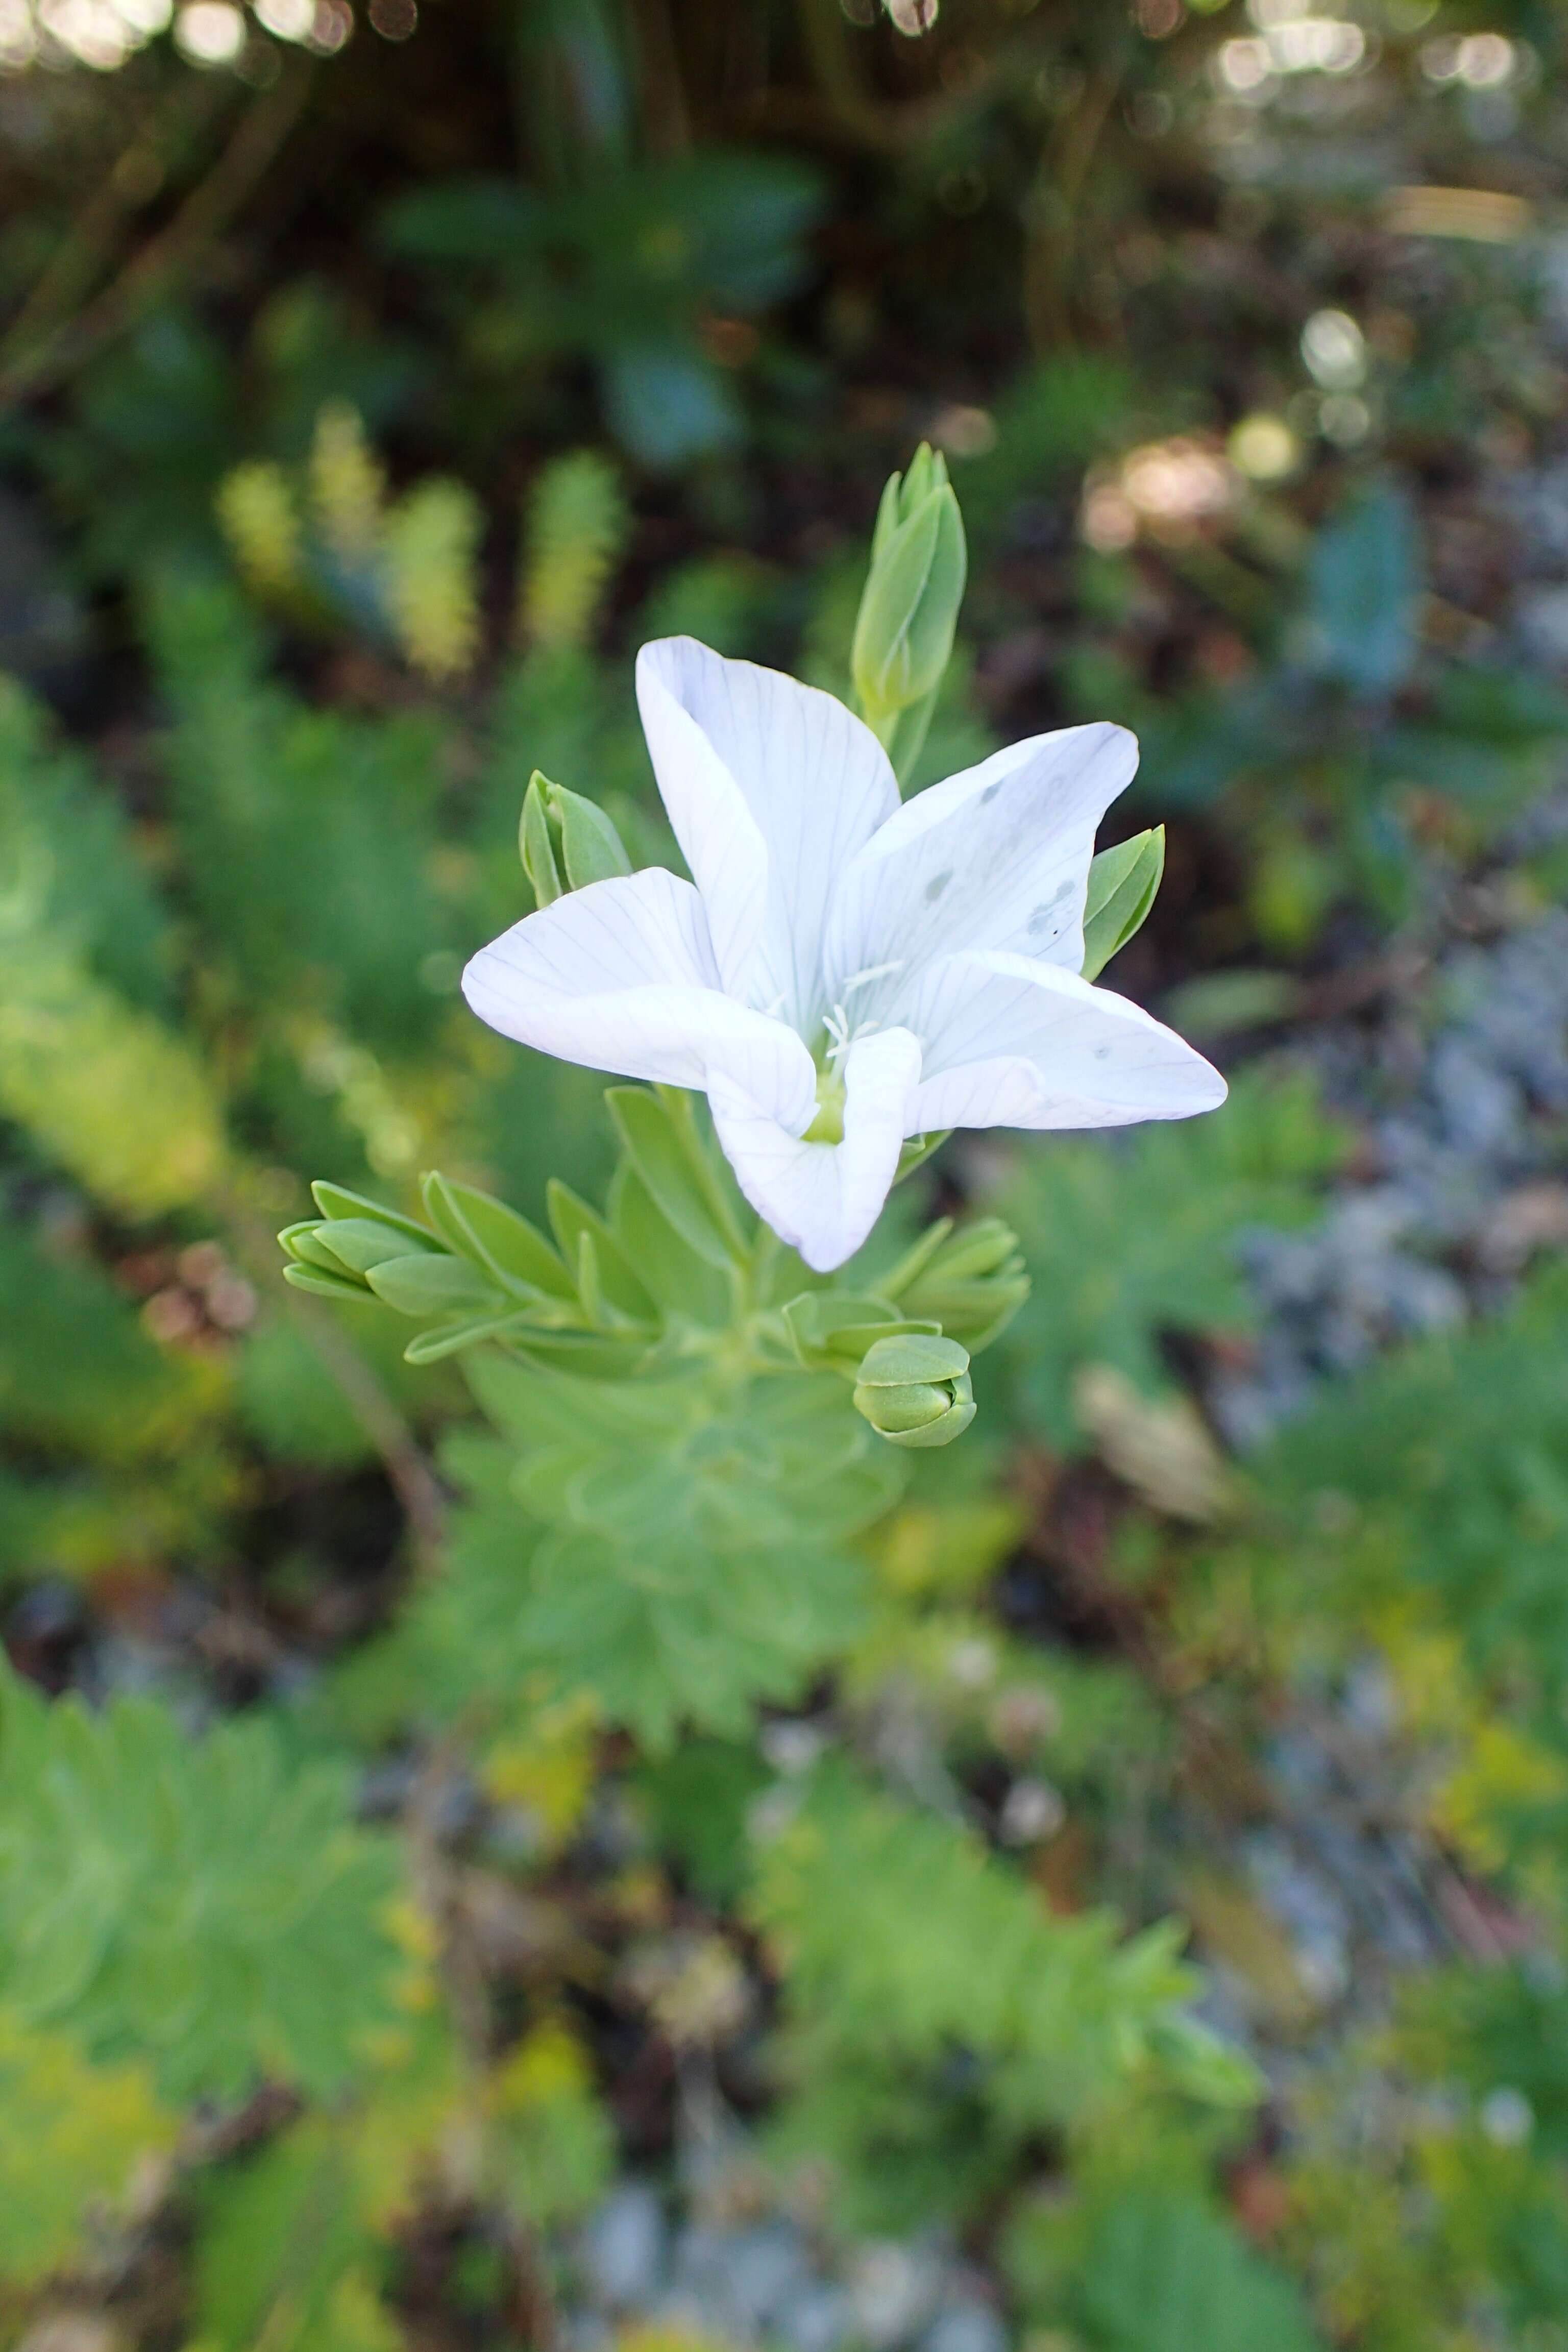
point(916, 1391)
point(971, 1282)
point(908, 607)
point(559, 831)
point(1124, 883)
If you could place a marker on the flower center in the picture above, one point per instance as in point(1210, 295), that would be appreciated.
point(828, 1126)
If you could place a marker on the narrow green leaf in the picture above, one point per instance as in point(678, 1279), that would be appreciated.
point(833, 1329)
point(590, 1290)
point(918, 1148)
point(684, 1286)
point(451, 1338)
point(670, 1162)
point(591, 848)
point(336, 1200)
point(535, 846)
point(1124, 883)
point(433, 1285)
point(323, 1286)
point(570, 1218)
point(917, 1257)
point(303, 1244)
point(496, 1238)
point(360, 1243)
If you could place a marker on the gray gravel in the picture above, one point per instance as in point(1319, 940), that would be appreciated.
point(1461, 1095)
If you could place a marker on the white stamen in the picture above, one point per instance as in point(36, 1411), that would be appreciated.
point(839, 1034)
point(873, 971)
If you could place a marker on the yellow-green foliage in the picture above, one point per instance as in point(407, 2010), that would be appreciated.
point(261, 522)
point(900, 1938)
point(348, 484)
point(102, 1082)
point(106, 1090)
point(554, 2147)
point(577, 529)
point(405, 568)
point(294, 2243)
point(1414, 2206)
point(432, 538)
point(286, 2257)
point(76, 2141)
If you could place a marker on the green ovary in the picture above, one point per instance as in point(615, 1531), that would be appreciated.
point(828, 1126)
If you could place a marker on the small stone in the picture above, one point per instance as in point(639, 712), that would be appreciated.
point(818, 2319)
point(970, 2325)
point(1532, 1217)
point(892, 2287)
point(1033, 1810)
point(762, 2269)
point(1507, 2118)
point(624, 2246)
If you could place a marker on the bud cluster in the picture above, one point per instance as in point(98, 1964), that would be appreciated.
point(906, 1348)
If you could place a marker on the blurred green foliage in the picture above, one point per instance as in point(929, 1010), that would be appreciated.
point(361, 409)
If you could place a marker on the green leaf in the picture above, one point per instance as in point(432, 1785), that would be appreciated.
point(678, 1547)
point(902, 1941)
point(573, 1221)
point(200, 1904)
point(283, 2251)
point(360, 1244)
point(591, 848)
point(303, 1244)
point(971, 1281)
point(423, 1285)
point(1446, 1465)
point(535, 845)
point(1365, 584)
point(77, 1371)
point(1126, 1240)
point(335, 1200)
point(451, 1339)
point(686, 1287)
point(1162, 2273)
point(497, 1239)
point(321, 1284)
point(660, 1140)
point(1123, 884)
point(831, 1330)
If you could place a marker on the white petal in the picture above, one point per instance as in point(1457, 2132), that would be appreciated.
point(771, 787)
point(824, 1198)
point(1012, 1042)
point(621, 977)
point(995, 857)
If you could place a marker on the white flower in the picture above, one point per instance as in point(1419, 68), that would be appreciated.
point(843, 971)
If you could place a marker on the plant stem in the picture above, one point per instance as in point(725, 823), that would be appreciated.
point(201, 219)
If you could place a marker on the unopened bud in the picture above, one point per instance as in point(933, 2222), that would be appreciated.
point(1124, 883)
point(916, 1391)
point(908, 607)
point(560, 833)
